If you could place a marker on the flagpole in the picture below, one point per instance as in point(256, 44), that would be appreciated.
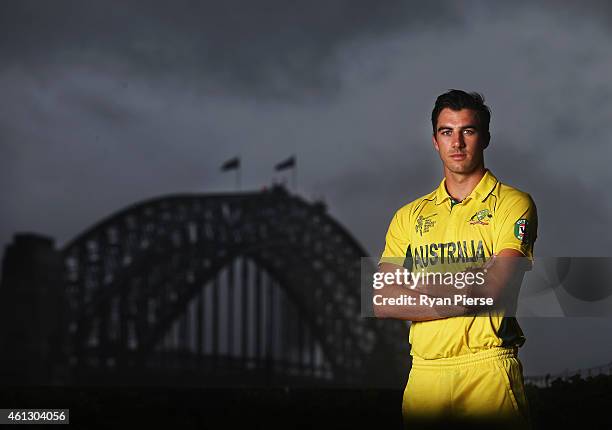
point(289, 163)
point(295, 176)
point(233, 164)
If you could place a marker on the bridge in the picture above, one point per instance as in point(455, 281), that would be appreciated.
point(228, 289)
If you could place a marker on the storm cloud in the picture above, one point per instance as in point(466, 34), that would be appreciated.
point(109, 103)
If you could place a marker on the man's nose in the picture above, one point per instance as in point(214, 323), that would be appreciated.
point(458, 141)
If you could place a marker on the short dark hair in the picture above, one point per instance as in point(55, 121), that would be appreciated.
point(457, 100)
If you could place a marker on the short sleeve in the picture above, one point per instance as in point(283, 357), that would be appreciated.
point(517, 228)
point(397, 242)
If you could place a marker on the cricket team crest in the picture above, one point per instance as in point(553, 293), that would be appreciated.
point(481, 217)
point(424, 223)
point(520, 229)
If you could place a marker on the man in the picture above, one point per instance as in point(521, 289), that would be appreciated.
point(465, 367)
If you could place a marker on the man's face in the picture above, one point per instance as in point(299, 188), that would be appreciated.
point(459, 140)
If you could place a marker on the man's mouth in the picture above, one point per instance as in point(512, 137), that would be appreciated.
point(458, 156)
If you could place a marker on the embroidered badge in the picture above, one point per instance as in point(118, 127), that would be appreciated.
point(520, 229)
point(481, 217)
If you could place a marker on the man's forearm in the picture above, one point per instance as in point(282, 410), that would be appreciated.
point(478, 289)
point(446, 290)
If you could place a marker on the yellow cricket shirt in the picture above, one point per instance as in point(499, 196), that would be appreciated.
point(431, 232)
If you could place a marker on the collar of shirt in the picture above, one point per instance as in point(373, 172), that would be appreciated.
point(480, 192)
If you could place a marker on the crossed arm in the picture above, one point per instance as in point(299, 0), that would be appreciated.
point(502, 274)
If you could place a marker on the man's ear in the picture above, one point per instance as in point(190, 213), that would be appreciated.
point(486, 140)
point(435, 143)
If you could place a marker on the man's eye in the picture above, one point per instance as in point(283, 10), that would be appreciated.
point(468, 132)
point(446, 132)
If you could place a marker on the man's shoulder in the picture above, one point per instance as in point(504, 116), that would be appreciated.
point(510, 195)
point(409, 208)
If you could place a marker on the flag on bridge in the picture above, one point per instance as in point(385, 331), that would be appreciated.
point(232, 163)
point(286, 164)
point(289, 163)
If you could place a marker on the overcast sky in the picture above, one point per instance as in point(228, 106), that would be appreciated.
point(108, 104)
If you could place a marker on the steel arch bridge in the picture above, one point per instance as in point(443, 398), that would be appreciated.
point(241, 288)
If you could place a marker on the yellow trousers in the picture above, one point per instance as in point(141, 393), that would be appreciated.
point(476, 390)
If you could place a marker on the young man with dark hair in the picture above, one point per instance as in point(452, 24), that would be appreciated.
point(465, 366)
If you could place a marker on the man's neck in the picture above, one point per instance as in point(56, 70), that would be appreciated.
point(459, 185)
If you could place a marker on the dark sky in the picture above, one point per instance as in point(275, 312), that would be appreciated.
point(109, 103)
